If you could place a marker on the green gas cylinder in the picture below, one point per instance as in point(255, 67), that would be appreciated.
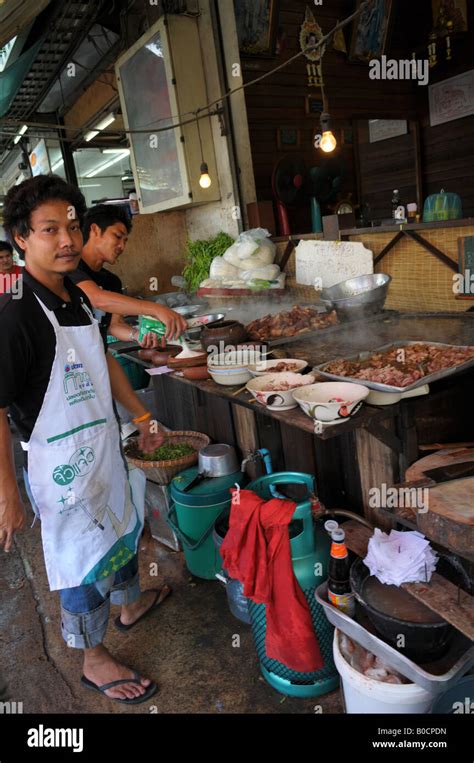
point(310, 547)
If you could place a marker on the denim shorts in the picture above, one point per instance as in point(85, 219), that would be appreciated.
point(85, 609)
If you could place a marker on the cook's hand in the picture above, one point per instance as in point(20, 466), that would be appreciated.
point(152, 342)
point(148, 439)
point(175, 323)
point(12, 518)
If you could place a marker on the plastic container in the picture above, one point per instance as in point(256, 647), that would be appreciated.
point(442, 206)
point(193, 514)
point(365, 695)
point(238, 603)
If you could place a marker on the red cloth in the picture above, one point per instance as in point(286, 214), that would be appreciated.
point(8, 279)
point(257, 551)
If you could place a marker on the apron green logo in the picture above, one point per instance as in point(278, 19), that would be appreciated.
point(80, 463)
point(77, 384)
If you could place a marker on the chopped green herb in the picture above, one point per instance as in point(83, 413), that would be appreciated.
point(163, 453)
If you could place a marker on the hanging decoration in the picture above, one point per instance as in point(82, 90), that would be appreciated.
point(449, 21)
point(310, 34)
point(339, 41)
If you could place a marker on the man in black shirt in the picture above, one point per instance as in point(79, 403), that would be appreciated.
point(58, 383)
point(106, 229)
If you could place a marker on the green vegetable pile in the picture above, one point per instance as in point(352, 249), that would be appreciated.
point(165, 452)
point(198, 258)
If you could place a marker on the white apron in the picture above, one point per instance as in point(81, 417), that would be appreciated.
point(90, 523)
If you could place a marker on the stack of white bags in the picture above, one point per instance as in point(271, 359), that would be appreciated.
point(248, 263)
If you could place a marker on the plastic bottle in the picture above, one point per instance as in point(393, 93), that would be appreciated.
point(339, 588)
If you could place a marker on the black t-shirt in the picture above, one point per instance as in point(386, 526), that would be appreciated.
point(106, 280)
point(28, 346)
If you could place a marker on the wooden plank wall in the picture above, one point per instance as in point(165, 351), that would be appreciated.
point(280, 100)
point(447, 152)
point(448, 159)
point(384, 166)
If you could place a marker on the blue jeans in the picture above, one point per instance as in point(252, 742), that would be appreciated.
point(85, 609)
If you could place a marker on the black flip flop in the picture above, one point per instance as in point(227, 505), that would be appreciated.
point(161, 595)
point(149, 691)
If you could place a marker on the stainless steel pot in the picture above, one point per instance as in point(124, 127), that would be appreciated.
point(217, 460)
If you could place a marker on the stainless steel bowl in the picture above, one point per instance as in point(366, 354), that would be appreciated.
point(358, 297)
point(218, 460)
point(187, 310)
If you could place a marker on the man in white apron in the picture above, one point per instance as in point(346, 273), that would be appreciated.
point(59, 385)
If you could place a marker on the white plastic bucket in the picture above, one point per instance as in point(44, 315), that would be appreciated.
point(365, 695)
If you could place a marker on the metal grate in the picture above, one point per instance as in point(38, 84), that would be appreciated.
point(66, 30)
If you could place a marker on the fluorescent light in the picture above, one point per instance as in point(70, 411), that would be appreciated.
point(21, 132)
point(90, 185)
point(106, 165)
point(105, 122)
point(57, 164)
point(127, 177)
point(116, 151)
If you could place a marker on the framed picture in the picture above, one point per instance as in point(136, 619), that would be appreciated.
point(370, 30)
point(383, 129)
point(288, 138)
point(452, 99)
point(257, 26)
point(454, 11)
point(314, 104)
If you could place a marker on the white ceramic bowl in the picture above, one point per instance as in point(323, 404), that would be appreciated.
point(231, 377)
point(277, 400)
point(267, 366)
point(331, 402)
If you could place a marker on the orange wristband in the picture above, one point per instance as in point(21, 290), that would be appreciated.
point(140, 419)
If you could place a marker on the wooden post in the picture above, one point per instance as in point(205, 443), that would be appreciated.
point(378, 464)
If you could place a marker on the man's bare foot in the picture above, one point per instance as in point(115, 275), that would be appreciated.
point(130, 613)
point(101, 668)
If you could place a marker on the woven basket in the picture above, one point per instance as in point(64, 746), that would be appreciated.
point(162, 472)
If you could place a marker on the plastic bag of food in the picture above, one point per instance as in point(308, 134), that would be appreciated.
point(260, 259)
point(221, 269)
point(234, 283)
point(267, 273)
point(210, 283)
point(249, 243)
point(231, 255)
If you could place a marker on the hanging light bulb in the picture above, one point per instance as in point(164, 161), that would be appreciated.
point(328, 141)
point(205, 179)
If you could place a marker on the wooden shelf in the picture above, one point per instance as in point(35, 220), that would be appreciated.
point(447, 600)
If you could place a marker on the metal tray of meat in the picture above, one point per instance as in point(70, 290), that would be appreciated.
point(387, 387)
point(435, 677)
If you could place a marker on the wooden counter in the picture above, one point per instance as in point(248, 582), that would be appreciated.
point(371, 449)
